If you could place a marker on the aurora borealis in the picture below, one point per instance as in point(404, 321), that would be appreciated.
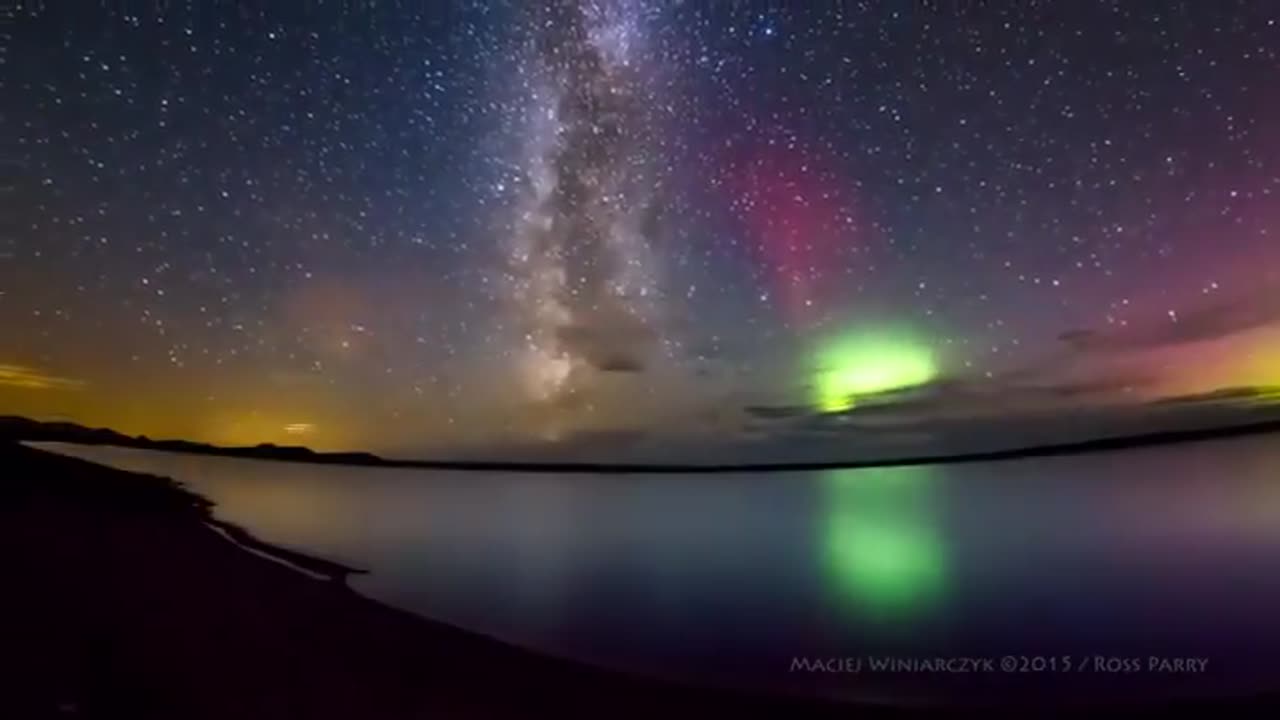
point(865, 365)
point(619, 226)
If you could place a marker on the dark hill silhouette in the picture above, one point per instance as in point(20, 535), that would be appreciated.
point(21, 428)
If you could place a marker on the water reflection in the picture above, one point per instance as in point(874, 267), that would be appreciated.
point(883, 550)
point(1164, 551)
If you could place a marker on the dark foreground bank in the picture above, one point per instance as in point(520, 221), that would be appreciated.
point(121, 600)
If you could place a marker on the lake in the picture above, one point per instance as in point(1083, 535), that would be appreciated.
point(1093, 572)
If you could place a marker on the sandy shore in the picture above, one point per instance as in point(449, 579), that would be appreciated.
point(121, 600)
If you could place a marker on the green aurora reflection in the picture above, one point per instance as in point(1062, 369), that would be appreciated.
point(883, 550)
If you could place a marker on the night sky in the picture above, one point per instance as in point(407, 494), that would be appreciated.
point(616, 226)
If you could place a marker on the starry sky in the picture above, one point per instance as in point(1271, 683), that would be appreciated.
point(617, 227)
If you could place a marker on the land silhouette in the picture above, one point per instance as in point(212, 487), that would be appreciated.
point(25, 429)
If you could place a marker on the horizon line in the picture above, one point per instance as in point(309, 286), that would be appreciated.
point(298, 453)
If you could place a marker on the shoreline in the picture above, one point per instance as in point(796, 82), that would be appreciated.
point(315, 568)
point(129, 599)
point(24, 430)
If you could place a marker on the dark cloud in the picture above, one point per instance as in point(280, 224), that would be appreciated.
point(610, 339)
point(781, 412)
point(1079, 338)
point(1208, 322)
point(1245, 395)
point(1028, 389)
point(1107, 385)
point(606, 439)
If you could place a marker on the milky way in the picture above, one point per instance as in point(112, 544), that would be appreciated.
point(585, 286)
point(608, 226)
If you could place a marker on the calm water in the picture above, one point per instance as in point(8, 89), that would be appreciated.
point(1110, 559)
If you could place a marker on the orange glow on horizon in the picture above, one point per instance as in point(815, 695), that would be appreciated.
point(1248, 360)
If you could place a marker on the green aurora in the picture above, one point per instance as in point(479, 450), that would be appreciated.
point(864, 364)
